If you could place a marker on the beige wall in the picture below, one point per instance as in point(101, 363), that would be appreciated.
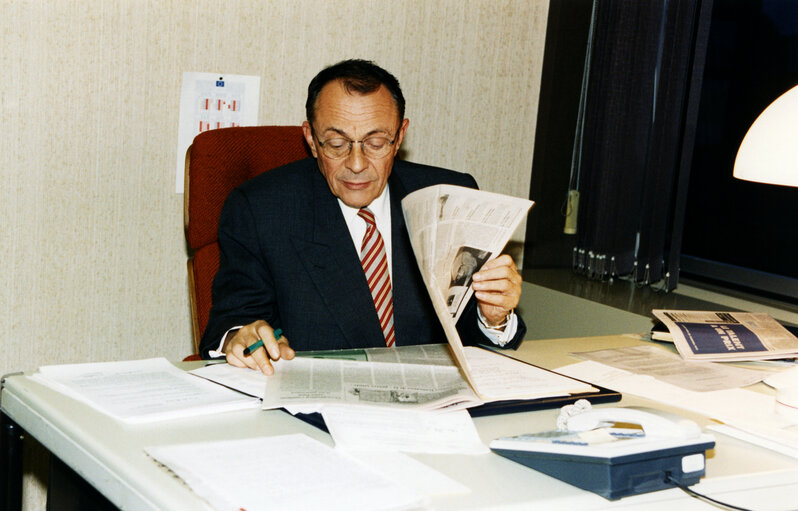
point(91, 241)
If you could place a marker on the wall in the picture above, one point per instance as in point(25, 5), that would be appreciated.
point(91, 240)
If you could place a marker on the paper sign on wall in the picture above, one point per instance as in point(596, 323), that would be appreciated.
point(210, 101)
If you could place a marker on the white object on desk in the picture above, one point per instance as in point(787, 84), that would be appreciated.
point(138, 391)
point(787, 403)
point(288, 472)
point(783, 379)
point(385, 429)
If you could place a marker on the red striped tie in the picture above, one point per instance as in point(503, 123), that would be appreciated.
point(375, 265)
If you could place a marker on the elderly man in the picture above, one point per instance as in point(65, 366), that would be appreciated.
point(319, 248)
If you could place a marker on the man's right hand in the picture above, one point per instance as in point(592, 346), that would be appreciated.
point(260, 359)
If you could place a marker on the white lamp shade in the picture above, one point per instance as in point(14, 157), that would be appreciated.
point(769, 152)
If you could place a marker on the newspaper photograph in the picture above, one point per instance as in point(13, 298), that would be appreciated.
point(454, 230)
point(727, 336)
point(305, 382)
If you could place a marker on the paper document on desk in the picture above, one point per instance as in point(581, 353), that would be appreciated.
point(670, 367)
point(138, 391)
point(288, 472)
point(385, 429)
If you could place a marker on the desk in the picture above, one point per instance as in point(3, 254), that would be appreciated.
point(109, 454)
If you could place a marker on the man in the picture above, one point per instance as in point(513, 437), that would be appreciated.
point(291, 240)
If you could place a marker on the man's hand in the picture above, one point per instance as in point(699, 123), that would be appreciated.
point(497, 287)
point(260, 359)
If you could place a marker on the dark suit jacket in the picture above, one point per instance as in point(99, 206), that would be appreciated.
point(287, 257)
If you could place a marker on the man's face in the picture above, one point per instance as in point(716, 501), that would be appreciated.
point(355, 179)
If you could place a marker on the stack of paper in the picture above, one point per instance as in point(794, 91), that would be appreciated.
point(141, 390)
point(290, 472)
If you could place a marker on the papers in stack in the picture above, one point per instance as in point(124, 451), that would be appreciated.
point(289, 472)
point(139, 391)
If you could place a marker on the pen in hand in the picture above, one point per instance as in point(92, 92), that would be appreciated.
point(259, 344)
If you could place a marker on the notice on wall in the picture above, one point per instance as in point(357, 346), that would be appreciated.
point(211, 101)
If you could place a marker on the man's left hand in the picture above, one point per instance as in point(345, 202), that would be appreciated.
point(497, 287)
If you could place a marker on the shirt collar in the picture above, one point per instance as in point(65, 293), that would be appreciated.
point(381, 207)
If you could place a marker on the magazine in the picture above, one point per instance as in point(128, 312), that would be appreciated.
point(726, 336)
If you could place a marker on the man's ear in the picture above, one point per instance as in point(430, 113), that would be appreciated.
point(308, 133)
point(400, 135)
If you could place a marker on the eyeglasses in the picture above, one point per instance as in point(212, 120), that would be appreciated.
point(373, 147)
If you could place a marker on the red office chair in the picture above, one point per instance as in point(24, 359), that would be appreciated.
point(217, 162)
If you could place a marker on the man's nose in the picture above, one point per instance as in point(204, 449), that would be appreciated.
point(356, 161)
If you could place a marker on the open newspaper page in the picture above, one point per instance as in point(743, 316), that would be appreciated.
point(454, 230)
point(311, 382)
point(727, 336)
point(437, 356)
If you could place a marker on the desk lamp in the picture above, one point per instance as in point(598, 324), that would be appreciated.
point(769, 154)
point(769, 151)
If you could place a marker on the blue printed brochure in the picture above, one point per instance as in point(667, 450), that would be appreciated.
point(727, 336)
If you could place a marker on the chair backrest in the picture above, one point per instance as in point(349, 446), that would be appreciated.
point(216, 163)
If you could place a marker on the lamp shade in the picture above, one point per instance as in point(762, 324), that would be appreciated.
point(769, 152)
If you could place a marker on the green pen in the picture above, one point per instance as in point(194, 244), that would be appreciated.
point(259, 343)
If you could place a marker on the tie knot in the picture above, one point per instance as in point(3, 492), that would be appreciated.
point(367, 215)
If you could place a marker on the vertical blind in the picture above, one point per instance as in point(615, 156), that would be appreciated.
point(634, 135)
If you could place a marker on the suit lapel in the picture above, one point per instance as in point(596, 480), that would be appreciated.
point(334, 267)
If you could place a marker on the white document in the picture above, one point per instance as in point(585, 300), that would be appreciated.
point(500, 377)
point(670, 367)
point(141, 390)
point(388, 429)
point(289, 472)
point(783, 379)
point(211, 101)
point(410, 473)
point(242, 379)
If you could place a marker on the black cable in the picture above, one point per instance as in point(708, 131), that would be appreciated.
point(701, 496)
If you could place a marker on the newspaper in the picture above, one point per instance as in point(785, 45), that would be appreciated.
point(727, 336)
point(454, 230)
point(311, 382)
